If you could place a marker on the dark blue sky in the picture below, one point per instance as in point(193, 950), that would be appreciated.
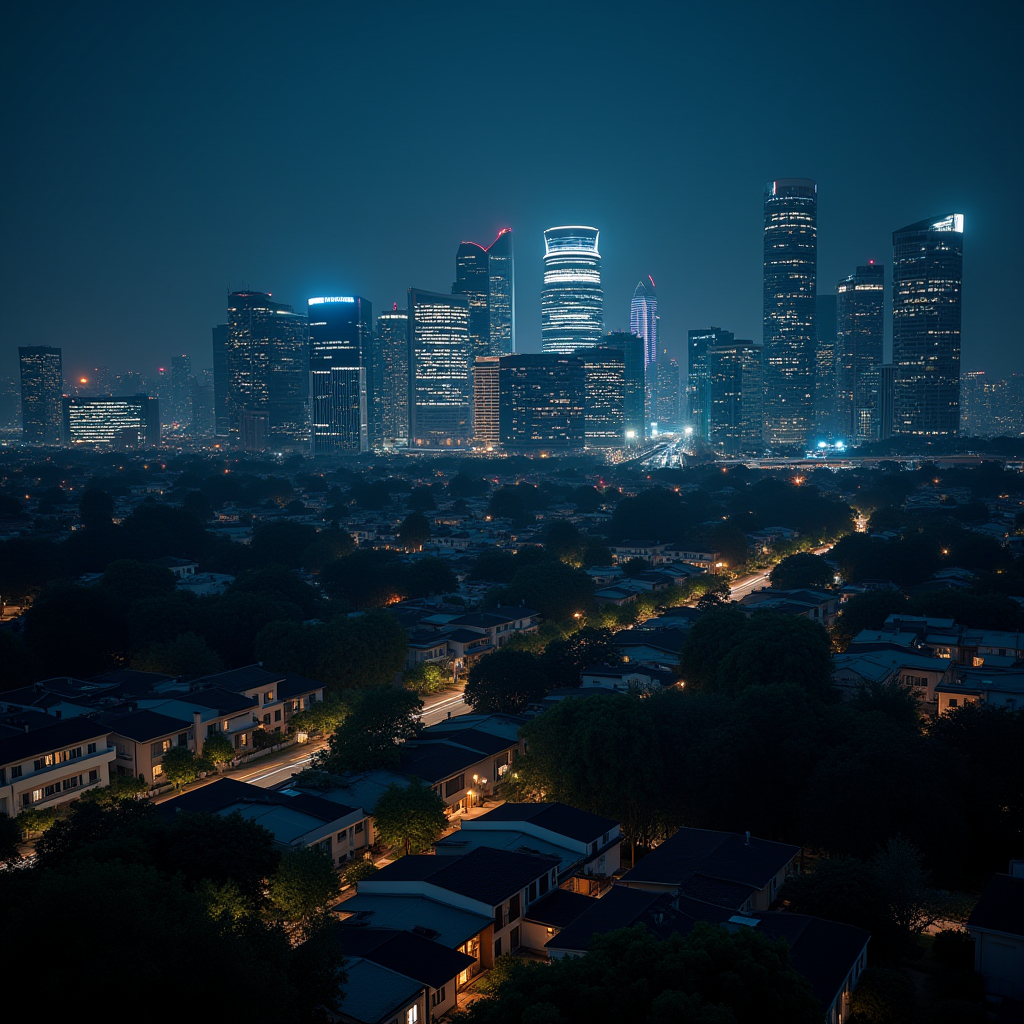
point(157, 153)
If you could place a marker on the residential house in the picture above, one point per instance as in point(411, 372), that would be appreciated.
point(1001, 687)
point(855, 671)
point(626, 678)
point(821, 606)
point(657, 647)
point(997, 926)
point(375, 995)
point(738, 872)
point(141, 738)
point(48, 766)
point(296, 820)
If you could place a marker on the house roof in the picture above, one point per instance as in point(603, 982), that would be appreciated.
point(61, 734)
point(423, 960)
point(144, 725)
point(223, 701)
point(1001, 907)
point(670, 639)
point(485, 874)
point(716, 855)
point(449, 925)
point(559, 908)
point(620, 907)
point(559, 818)
point(373, 993)
point(223, 793)
point(238, 678)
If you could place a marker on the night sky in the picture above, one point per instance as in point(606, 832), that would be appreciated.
point(156, 154)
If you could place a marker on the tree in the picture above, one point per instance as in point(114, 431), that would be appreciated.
point(505, 681)
point(180, 766)
point(96, 509)
point(282, 543)
point(303, 885)
point(427, 677)
point(710, 976)
point(412, 817)
point(363, 579)
point(380, 719)
point(635, 566)
point(802, 570)
point(122, 788)
point(904, 882)
point(128, 581)
point(429, 576)
point(232, 623)
point(463, 486)
point(882, 997)
point(422, 499)
point(10, 839)
point(323, 716)
point(867, 611)
point(564, 660)
point(358, 870)
point(554, 589)
point(414, 531)
point(217, 750)
point(187, 656)
point(494, 566)
point(284, 585)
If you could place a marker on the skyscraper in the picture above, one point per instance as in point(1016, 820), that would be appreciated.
point(634, 394)
point(391, 377)
point(666, 412)
point(927, 273)
point(122, 422)
point(441, 387)
point(221, 382)
point(179, 406)
point(542, 401)
point(42, 386)
point(572, 301)
point(860, 315)
point(697, 343)
point(340, 327)
point(487, 401)
point(790, 273)
point(825, 365)
point(268, 366)
point(736, 396)
point(643, 318)
point(486, 277)
point(604, 392)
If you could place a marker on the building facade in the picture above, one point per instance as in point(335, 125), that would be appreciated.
point(666, 411)
point(697, 344)
point(120, 422)
point(487, 401)
point(390, 393)
point(486, 277)
point(790, 334)
point(340, 330)
point(825, 365)
point(927, 276)
point(643, 318)
point(735, 397)
point(440, 382)
point(604, 397)
point(860, 331)
point(42, 387)
point(221, 382)
point(635, 389)
point(572, 300)
point(268, 368)
point(542, 401)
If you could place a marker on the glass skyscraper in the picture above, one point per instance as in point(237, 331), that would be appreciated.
point(486, 277)
point(340, 328)
point(860, 331)
point(604, 417)
point(221, 382)
point(572, 301)
point(542, 401)
point(123, 422)
point(825, 365)
point(487, 401)
point(735, 397)
point(267, 363)
point(391, 377)
point(697, 343)
point(42, 387)
point(643, 318)
point(927, 274)
point(634, 395)
point(790, 336)
point(441, 386)
point(666, 392)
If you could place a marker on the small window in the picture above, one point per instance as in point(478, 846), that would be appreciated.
point(277, 715)
point(91, 748)
point(15, 771)
point(359, 826)
point(952, 702)
point(412, 1015)
point(94, 775)
point(268, 696)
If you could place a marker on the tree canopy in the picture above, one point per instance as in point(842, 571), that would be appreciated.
point(411, 817)
point(380, 718)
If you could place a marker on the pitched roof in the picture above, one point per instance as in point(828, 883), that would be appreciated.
point(421, 915)
point(559, 908)
point(423, 960)
point(61, 734)
point(1001, 907)
point(620, 907)
point(144, 725)
point(223, 793)
point(715, 855)
point(560, 818)
point(373, 993)
point(485, 874)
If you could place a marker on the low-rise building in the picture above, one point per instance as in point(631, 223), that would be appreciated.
point(141, 738)
point(997, 926)
point(855, 671)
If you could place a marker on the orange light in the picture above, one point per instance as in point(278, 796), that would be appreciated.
point(83, 380)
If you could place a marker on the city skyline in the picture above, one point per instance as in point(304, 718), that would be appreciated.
point(355, 229)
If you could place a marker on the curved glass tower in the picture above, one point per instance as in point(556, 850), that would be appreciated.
point(927, 273)
point(572, 301)
point(487, 278)
point(790, 286)
point(643, 318)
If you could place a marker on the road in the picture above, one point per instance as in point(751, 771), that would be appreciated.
point(276, 770)
point(745, 585)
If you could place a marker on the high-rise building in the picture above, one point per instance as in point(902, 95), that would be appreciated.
point(119, 422)
point(42, 386)
point(572, 301)
point(221, 382)
point(10, 407)
point(643, 318)
point(697, 344)
point(927, 273)
point(201, 401)
point(886, 397)
point(487, 401)
point(391, 377)
point(542, 401)
point(860, 332)
point(604, 418)
point(635, 395)
point(790, 336)
point(825, 365)
point(736, 397)
point(178, 411)
point(991, 406)
point(441, 387)
point(340, 328)
point(486, 277)
point(268, 366)
point(666, 410)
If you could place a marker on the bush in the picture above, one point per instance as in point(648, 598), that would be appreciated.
point(953, 950)
point(358, 870)
point(883, 997)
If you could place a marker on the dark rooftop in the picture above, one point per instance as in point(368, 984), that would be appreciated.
point(561, 818)
point(620, 907)
point(145, 725)
point(225, 792)
point(422, 959)
point(60, 734)
point(1001, 907)
point(559, 908)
